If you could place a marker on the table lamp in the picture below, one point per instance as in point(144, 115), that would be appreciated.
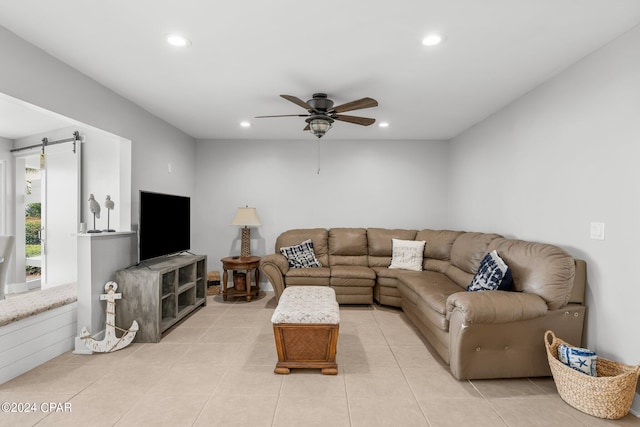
point(246, 217)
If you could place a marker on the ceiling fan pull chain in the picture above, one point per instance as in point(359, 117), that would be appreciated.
point(318, 153)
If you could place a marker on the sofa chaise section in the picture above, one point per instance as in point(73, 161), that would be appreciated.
point(496, 334)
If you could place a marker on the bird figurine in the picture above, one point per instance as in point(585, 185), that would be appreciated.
point(109, 204)
point(94, 207)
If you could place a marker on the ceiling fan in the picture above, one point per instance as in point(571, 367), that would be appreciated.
point(322, 113)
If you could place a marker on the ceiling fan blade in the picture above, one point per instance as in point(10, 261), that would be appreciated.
point(364, 121)
point(356, 105)
point(283, 115)
point(307, 127)
point(297, 101)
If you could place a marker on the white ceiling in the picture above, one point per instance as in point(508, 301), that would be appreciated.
point(245, 53)
point(19, 119)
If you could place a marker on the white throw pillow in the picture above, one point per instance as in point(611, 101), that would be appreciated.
point(407, 254)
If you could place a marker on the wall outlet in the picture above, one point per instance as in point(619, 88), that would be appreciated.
point(597, 230)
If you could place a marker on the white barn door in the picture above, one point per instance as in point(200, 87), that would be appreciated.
point(60, 214)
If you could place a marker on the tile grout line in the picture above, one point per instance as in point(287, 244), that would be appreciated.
point(488, 402)
point(404, 375)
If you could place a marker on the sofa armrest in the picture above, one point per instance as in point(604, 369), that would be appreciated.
point(278, 260)
point(275, 266)
point(496, 306)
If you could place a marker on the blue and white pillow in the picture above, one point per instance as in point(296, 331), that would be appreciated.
point(580, 359)
point(301, 256)
point(493, 274)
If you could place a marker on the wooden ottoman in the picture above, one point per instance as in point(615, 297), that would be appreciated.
point(305, 327)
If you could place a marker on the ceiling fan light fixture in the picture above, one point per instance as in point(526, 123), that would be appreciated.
point(318, 126)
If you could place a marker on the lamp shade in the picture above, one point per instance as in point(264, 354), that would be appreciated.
point(246, 216)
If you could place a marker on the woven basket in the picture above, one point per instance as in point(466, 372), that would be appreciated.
point(609, 395)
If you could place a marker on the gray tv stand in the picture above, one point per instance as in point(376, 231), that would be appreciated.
point(160, 293)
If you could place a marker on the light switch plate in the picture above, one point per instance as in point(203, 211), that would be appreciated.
point(597, 230)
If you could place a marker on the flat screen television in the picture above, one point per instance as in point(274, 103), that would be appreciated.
point(164, 225)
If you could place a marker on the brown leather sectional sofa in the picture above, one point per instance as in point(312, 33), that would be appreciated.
point(487, 334)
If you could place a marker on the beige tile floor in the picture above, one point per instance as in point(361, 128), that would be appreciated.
point(216, 369)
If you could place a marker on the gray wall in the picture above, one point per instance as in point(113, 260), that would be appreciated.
point(394, 184)
point(557, 159)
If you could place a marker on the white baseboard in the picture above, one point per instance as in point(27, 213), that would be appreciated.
point(266, 286)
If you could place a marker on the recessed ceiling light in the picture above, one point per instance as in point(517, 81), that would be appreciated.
point(178, 40)
point(383, 124)
point(245, 124)
point(433, 39)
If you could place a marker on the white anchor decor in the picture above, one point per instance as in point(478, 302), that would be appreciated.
point(110, 342)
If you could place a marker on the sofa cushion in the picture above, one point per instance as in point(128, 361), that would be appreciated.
point(301, 255)
point(354, 271)
point(308, 276)
point(352, 275)
point(388, 279)
point(493, 274)
point(348, 246)
point(439, 243)
point(386, 273)
point(468, 250)
point(319, 237)
point(380, 247)
point(538, 268)
point(407, 254)
point(431, 287)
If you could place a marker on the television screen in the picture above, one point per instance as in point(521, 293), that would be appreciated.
point(164, 226)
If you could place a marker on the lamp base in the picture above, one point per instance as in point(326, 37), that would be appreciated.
point(245, 245)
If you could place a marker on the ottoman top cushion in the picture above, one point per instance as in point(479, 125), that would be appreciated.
point(307, 304)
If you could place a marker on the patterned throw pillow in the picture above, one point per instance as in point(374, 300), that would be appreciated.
point(407, 254)
point(493, 274)
point(301, 256)
point(580, 359)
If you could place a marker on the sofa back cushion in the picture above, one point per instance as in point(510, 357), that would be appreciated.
point(538, 268)
point(380, 246)
point(467, 252)
point(437, 251)
point(347, 246)
point(319, 237)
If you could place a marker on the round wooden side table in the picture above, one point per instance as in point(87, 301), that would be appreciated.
point(244, 264)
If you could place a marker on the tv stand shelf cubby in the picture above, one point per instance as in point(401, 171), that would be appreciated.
point(160, 293)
